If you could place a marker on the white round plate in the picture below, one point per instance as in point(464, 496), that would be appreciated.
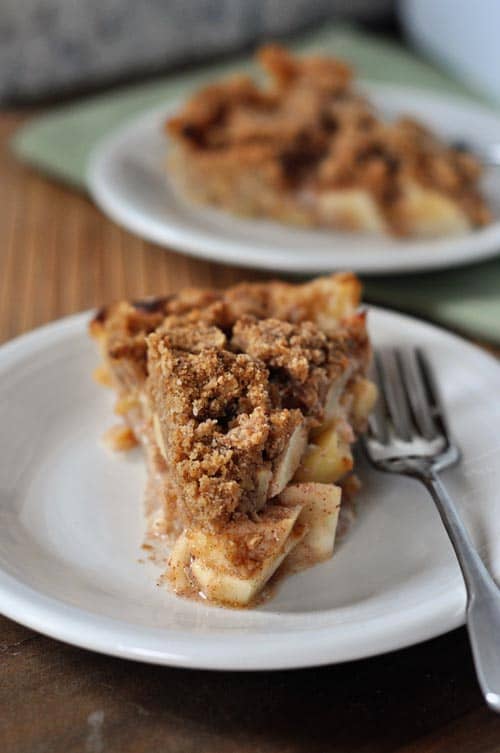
point(71, 525)
point(128, 180)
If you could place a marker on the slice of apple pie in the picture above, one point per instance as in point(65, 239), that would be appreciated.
point(246, 402)
point(309, 149)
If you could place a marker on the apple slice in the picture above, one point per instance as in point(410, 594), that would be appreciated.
point(320, 511)
point(327, 458)
point(288, 461)
point(232, 567)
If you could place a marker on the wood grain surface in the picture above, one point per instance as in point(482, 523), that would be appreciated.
point(58, 255)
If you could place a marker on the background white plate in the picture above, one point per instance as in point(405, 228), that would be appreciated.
point(127, 178)
point(71, 525)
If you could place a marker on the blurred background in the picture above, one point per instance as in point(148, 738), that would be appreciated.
point(50, 47)
point(54, 48)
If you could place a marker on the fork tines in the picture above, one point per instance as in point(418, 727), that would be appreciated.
point(409, 403)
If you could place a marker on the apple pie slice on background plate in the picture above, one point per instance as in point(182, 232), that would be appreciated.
point(299, 160)
point(309, 149)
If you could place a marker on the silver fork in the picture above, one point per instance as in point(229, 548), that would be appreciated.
point(408, 435)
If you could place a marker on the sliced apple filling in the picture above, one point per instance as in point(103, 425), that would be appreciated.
point(320, 507)
point(232, 568)
point(328, 457)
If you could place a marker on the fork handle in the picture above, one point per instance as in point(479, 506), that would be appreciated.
point(483, 596)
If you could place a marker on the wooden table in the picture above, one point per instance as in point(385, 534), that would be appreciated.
point(59, 254)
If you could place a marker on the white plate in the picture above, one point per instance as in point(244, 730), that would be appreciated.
point(127, 178)
point(71, 525)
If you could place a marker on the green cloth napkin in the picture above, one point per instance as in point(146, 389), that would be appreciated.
point(466, 299)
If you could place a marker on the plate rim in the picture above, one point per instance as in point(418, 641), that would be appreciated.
point(217, 650)
point(484, 243)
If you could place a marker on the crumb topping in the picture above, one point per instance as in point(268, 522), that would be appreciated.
point(295, 349)
point(302, 359)
point(213, 408)
point(122, 328)
point(192, 337)
point(229, 381)
point(226, 410)
point(297, 356)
